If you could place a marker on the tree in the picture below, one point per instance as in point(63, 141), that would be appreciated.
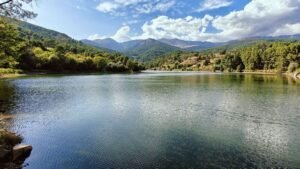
point(100, 63)
point(9, 44)
point(60, 50)
point(14, 9)
point(233, 62)
point(223, 52)
point(27, 60)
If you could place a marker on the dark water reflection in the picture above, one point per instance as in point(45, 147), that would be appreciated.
point(162, 120)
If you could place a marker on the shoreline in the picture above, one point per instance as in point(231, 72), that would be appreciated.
point(294, 75)
point(13, 153)
point(247, 72)
point(8, 76)
point(45, 72)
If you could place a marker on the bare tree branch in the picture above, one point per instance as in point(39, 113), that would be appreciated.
point(14, 9)
point(6, 2)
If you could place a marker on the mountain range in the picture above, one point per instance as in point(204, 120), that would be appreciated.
point(176, 44)
point(148, 49)
point(145, 50)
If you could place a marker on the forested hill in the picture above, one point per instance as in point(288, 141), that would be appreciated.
point(40, 32)
point(142, 50)
point(33, 32)
point(33, 48)
point(146, 50)
point(268, 56)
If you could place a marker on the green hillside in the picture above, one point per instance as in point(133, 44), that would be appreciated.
point(149, 49)
point(267, 56)
point(33, 48)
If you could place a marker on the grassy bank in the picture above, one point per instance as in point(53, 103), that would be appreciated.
point(10, 73)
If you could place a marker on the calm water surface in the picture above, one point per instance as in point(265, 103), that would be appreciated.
point(156, 120)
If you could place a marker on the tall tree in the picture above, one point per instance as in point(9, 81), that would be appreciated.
point(9, 44)
point(15, 9)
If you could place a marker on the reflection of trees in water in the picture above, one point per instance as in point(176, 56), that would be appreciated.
point(12, 155)
point(227, 80)
point(7, 96)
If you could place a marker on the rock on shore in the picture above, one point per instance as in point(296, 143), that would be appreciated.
point(12, 155)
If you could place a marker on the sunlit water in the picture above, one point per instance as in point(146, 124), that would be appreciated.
point(156, 120)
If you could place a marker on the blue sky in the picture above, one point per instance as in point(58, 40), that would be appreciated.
point(203, 20)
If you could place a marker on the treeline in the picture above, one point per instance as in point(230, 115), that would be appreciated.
point(24, 49)
point(280, 56)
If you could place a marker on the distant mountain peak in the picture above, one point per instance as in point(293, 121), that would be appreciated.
point(147, 48)
point(149, 40)
point(107, 39)
point(108, 43)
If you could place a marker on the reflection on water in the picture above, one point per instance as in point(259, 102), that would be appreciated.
point(163, 120)
point(7, 94)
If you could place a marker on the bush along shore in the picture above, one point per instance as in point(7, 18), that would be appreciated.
point(12, 152)
point(267, 57)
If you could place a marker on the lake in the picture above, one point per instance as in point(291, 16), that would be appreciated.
point(156, 120)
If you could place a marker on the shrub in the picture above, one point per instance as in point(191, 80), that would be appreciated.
point(293, 67)
point(10, 71)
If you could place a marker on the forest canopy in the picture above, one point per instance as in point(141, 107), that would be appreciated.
point(273, 56)
point(42, 49)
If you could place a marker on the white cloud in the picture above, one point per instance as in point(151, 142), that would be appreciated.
point(165, 6)
point(213, 4)
point(187, 28)
point(96, 36)
point(107, 7)
point(288, 29)
point(117, 7)
point(258, 18)
point(122, 34)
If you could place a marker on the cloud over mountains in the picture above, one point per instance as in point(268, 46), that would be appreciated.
point(257, 18)
point(123, 7)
